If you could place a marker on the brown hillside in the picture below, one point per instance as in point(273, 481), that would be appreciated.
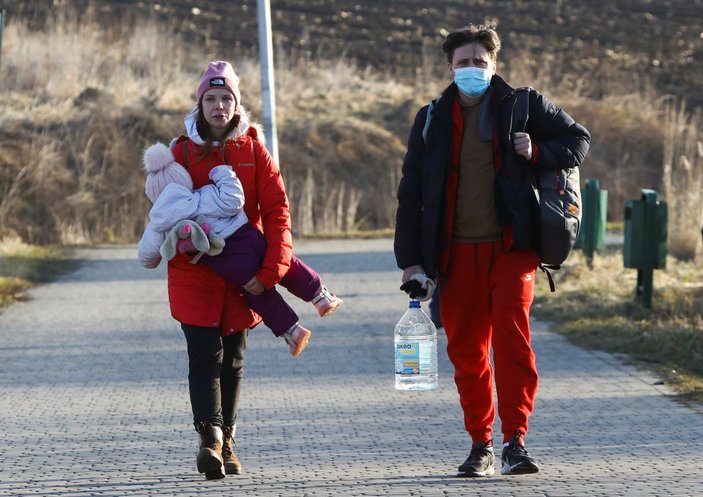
point(661, 40)
point(87, 84)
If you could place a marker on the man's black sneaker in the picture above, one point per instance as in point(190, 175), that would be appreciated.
point(480, 461)
point(515, 460)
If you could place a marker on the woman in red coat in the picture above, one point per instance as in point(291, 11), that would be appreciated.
point(214, 315)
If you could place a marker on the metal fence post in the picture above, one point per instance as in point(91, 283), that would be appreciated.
point(593, 223)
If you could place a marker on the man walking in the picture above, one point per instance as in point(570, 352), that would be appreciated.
point(465, 216)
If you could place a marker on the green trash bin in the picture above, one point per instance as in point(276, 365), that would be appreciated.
point(593, 223)
point(645, 244)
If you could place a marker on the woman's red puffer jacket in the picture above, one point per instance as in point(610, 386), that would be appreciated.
point(197, 295)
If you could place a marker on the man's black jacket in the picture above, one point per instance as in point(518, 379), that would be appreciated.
point(420, 218)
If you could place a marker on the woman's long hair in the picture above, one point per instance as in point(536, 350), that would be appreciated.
point(204, 130)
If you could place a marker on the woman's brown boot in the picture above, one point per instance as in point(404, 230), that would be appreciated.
point(232, 464)
point(209, 459)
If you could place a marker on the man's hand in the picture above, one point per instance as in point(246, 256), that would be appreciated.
point(522, 143)
point(416, 284)
point(409, 271)
point(254, 286)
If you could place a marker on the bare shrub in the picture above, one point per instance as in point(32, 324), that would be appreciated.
point(79, 106)
point(340, 159)
point(78, 181)
point(122, 96)
point(346, 167)
point(682, 179)
point(26, 210)
point(626, 146)
point(136, 64)
point(89, 98)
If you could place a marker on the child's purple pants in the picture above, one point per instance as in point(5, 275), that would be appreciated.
point(241, 258)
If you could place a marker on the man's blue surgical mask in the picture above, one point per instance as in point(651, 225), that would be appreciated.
point(472, 81)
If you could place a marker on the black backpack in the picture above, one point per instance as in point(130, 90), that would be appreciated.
point(557, 219)
point(558, 195)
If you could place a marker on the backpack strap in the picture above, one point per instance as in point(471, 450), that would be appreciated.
point(546, 268)
point(254, 141)
point(430, 108)
point(521, 114)
point(184, 146)
point(521, 110)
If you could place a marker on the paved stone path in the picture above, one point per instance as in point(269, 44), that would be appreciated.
point(94, 402)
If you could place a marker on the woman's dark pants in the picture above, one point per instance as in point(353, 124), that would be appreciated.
point(215, 373)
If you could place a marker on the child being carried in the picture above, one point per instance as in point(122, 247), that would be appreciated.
point(220, 206)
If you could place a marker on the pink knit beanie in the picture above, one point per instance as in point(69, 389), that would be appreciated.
point(161, 170)
point(219, 74)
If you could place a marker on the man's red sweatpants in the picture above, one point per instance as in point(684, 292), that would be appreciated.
point(485, 299)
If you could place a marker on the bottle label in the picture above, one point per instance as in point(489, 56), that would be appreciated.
point(407, 358)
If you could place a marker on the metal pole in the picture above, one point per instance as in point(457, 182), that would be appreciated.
point(267, 83)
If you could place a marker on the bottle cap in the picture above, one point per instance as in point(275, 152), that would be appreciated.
point(414, 304)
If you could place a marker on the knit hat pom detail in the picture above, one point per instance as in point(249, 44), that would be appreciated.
point(157, 157)
point(162, 170)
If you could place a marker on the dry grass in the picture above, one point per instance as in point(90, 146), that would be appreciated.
point(134, 65)
point(596, 308)
point(683, 178)
point(23, 266)
point(95, 124)
point(80, 103)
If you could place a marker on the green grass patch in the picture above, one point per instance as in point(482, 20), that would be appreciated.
point(24, 266)
point(596, 308)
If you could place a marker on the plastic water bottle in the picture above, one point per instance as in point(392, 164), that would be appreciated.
point(415, 350)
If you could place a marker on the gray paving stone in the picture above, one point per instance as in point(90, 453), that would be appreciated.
point(94, 400)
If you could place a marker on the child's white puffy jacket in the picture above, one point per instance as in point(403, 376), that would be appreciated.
point(220, 203)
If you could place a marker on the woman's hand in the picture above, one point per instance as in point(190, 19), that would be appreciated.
point(254, 286)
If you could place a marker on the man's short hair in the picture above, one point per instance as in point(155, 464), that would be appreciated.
point(485, 35)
